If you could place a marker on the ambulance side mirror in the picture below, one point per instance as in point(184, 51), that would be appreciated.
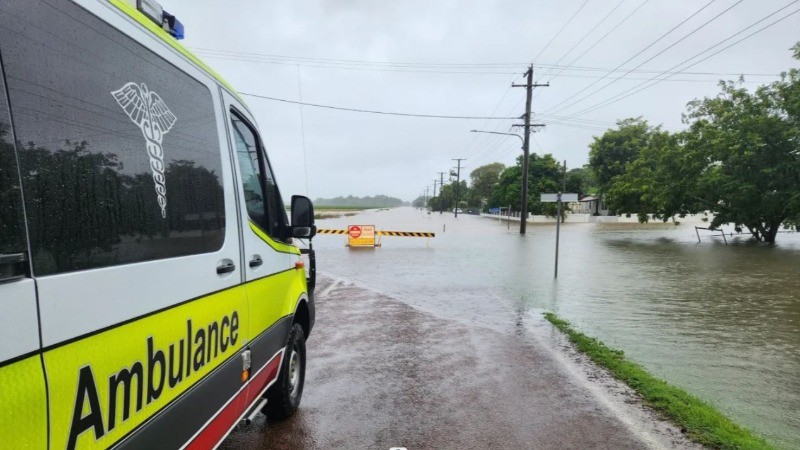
point(302, 217)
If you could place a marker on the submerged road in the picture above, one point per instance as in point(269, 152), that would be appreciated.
point(382, 374)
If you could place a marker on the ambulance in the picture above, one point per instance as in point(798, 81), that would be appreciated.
point(153, 291)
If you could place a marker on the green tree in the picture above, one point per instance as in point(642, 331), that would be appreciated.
point(739, 159)
point(508, 188)
point(581, 181)
point(378, 201)
point(750, 144)
point(656, 182)
point(610, 153)
point(544, 175)
point(484, 179)
point(447, 196)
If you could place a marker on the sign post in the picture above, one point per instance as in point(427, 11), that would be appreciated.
point(558, 198)
point(558, 232)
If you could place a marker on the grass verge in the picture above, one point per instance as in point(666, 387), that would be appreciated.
point(346, 208)
point(333, 215)
point(701, 422)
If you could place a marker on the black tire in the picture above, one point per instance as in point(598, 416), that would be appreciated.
point(283, 397)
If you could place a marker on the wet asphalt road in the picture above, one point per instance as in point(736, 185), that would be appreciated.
point(382, 374)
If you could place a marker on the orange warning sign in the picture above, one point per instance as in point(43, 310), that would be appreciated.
point(361, 235)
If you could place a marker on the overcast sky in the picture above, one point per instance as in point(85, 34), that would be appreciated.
point(334, 51)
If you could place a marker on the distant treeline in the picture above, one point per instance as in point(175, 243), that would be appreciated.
point(378, 201)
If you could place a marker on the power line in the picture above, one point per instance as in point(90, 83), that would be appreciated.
point(352, 61)
point(640, 87)
point(637, 54)
point(564, 55)
point(680, 80)
point(560, 30)
point(611, 30)
point(428, 68)
point(560, 72)
point(656, 55)
point(475, 138)
point(388, 113)
point(345, 67)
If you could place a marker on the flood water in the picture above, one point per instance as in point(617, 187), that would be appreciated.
point(722, 322)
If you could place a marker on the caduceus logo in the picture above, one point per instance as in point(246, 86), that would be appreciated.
point(146, 109)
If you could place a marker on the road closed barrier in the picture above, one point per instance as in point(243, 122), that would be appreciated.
point(364, 235)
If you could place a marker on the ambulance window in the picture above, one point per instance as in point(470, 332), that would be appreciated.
point(12, 232)
point(118, 149)
point(278, 218)
point(249, 163)
point(263, 200)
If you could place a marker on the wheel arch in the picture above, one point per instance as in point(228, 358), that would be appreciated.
point(302, 315)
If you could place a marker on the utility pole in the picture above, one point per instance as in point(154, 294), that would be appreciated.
point(441, 197)
point(558, 216)
point(526, 146)
point(458, 180)
point(434, 188)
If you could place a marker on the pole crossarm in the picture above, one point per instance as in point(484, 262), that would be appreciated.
point(532, 85)
point(533, 125)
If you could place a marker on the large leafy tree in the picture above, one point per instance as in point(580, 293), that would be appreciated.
point(610, 153)
point(544, 175)
point(508, 189)
point(484, 179)
point(447, 196)
point(750, 146)
point(656, 182)
point(739, 159)
point(581, 181)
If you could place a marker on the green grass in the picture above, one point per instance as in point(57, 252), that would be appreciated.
point(701, 422)
point(333, 215)
point(345, 208)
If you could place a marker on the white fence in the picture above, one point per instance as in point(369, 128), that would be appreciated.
point(588, 218)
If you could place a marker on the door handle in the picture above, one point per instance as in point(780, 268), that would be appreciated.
point(225, 266)
point(12, 266)
point(256, 261)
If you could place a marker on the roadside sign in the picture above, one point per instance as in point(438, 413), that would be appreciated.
point(552, 198)
point(559, 198)
point(361, 235)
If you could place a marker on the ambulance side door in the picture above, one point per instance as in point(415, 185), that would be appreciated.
point(269, 261)
point(23, 415)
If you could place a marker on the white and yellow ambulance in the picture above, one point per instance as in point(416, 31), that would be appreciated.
point(150, 292)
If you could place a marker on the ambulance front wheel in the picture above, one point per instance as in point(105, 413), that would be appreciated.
point(283, 397)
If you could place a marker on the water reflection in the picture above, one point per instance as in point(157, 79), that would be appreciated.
point(12, 236)
point(86, 210)
point(721, 321)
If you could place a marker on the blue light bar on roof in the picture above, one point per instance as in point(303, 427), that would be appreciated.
point(172, 25)
point(153, 10)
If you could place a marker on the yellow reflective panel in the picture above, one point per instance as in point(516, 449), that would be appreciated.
point(104, 386)
point(23, 405)
point(273, 297)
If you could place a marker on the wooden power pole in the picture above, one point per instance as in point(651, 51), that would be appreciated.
point(523, 215)
point(441, 197)
point(458, 181)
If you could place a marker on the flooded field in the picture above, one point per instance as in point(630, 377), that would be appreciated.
point(723, 322)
